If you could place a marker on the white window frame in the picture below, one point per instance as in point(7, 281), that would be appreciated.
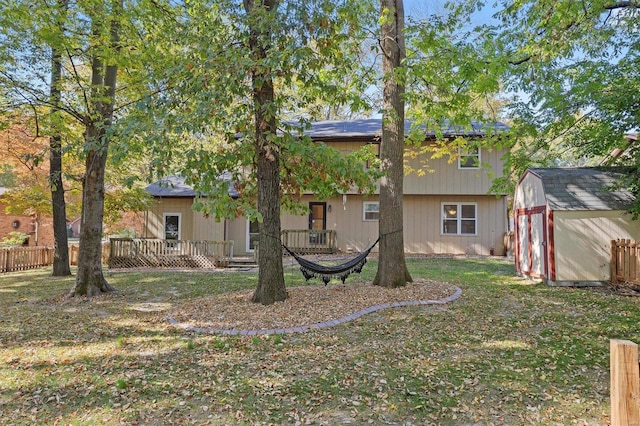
point(248, 237)
point(364, 210)
point(164, 224)
point(458, 218)
point(469, 152)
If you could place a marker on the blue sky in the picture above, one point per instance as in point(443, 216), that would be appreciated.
point(424, 8)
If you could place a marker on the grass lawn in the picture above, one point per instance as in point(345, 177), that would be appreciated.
point(508, 352)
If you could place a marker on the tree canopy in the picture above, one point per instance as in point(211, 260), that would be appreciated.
point(573, 69)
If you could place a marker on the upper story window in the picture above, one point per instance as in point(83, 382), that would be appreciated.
point(459, 218)
point(370, 210)
point(469, 158)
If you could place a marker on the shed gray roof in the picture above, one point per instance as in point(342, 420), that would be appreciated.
point(583, 188)
point(372, 127)
point(175, 186)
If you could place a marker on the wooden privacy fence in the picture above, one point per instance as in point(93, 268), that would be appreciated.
point(157, 253)
point(307, 241)
point(23, 258)
point(625, 262)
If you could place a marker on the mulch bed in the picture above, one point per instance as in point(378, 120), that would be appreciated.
point(305, 305)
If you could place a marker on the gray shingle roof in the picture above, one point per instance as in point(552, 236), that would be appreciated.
point(583, 188)
point(372, 127)
point(175, 186)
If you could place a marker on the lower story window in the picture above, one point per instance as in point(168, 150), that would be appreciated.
point(172, 226)
point(370, 210)
point(459, 218)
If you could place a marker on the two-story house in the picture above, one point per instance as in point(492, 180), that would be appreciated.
point(446, 211)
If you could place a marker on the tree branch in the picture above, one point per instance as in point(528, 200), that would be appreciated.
point(623, 5)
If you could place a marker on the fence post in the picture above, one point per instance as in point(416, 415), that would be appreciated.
point(613, 259)
point(625, 383)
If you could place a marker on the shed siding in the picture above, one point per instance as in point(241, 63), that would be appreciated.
point(582, 242)
point(529, 192)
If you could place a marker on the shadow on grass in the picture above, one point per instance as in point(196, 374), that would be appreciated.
point(508, 352)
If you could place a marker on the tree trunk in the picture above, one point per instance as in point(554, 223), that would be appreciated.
point(271, 287)
point(90, 279)
point(60, 237)
point(392, 267)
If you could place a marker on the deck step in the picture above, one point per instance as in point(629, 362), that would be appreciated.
point(242, 262)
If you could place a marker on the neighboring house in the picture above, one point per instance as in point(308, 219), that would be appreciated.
point(565, 219)
point(448, 211)
point(621, 153)
point(38, 233)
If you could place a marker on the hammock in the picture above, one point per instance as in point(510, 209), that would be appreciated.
point(311, 269)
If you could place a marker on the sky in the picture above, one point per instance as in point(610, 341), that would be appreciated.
point(424, 8)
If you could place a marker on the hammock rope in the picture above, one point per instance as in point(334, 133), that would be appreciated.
point(311, 269)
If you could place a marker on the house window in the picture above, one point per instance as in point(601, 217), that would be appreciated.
point(469, 158)
point(459, 219)
point(370, 210)
point(172, 222)
point(253, 233)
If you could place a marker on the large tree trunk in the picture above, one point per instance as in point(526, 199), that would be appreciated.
point(392, 267)
point(60, 237)
point(90, 279)
point(271, 287)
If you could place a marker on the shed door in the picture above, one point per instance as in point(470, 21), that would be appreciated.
point(537, 245)
point(532, 242)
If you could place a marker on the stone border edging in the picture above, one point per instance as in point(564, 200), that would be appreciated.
point(325, 324)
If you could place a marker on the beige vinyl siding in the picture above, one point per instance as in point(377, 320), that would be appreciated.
point(353, 233)
point(582, 242)
point(442, 176)
point(155, 224)
point(237, 232)
point(422, 224)
point(194, 225)
point(206, 228)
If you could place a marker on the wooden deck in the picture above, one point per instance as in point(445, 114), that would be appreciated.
point(306, 241)
point(180, 254)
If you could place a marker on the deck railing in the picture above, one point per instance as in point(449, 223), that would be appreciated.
point(23, 258)
point(307, 241)
point(74, 253)
point(625, 262)
point(157, 253)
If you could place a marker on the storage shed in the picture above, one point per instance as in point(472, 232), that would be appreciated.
point(565, 219)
